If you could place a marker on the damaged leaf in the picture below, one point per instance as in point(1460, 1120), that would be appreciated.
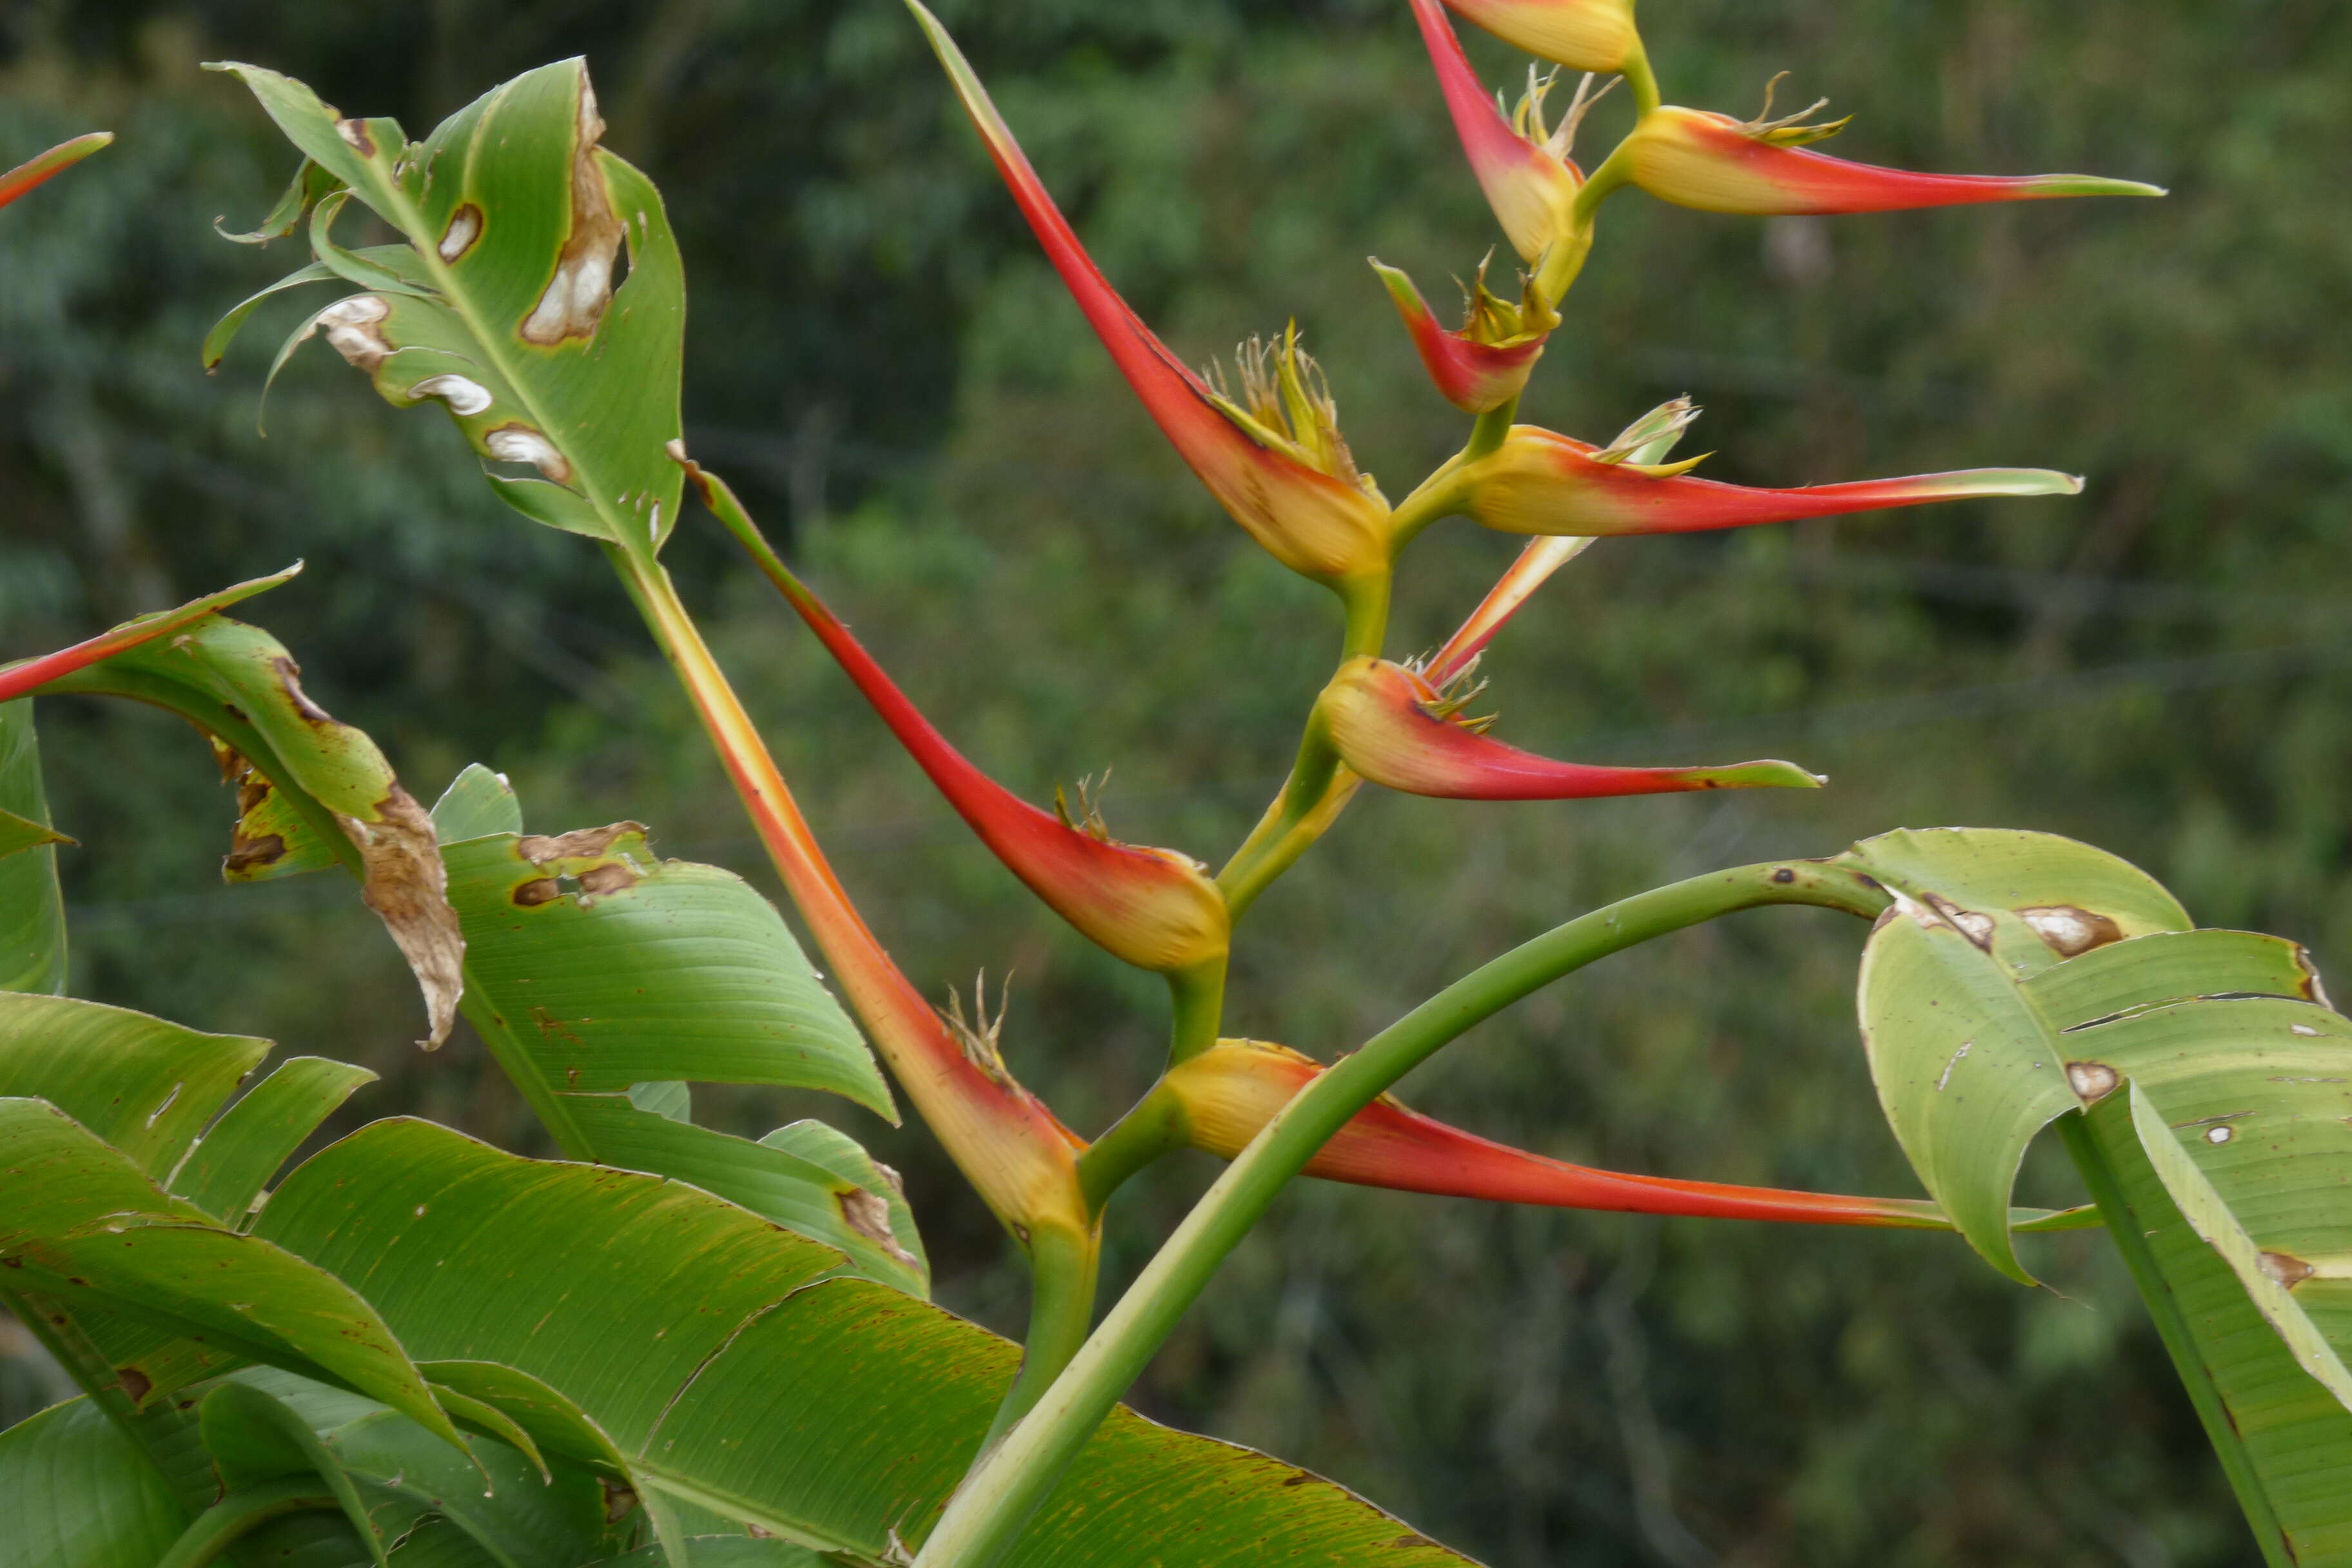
point(2204, 1087)
point(314, 785)
point(503, 306)
point(595, 964)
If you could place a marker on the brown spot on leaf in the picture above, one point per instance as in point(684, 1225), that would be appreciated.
point(133, 1382)
point(869, 1216)
point(611, 876)
point(246, 855)
point(407, 887)
point(2091, 1082)
point(580, 844)
point(290, 676)
point(575, 297)
point(2067, 930)
point(537, 891)
point(1970, 924)
point(355, 134)
point(1413, 1540)
point(465, 228)
point(354, 329)
point(620, 1498)
point(522, 443)
point(2287, 1268)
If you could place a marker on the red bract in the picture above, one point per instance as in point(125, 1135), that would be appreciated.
point(1695, 158)
point(49, 164)
point(1529, 179)
point(1294, 488)
point(1540, 481)
point(1230, 1093)
point(1393, 726)
point(20, 680)
point(1155, 908)
point(1486, 362)
point(1582, 34)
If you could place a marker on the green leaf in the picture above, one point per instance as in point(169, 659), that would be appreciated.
point(239, 684)
point(310, 184)
point(393, 1474)
point(477, 804)
point(725, 1551)
point(1967, 1067)
point(32, 909)
point(224, 1174)
point(699, 1338)
point(2216, 1142)
point(18, 833)
point(79, 1221)
point(836, 1203)
point(516, 218)
point(595, 965)
point(142, 1085)
point(76, 1492)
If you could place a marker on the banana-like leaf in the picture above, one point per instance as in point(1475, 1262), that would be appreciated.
point(142, 1085)
point(392, 1475)
point(305, 779)
point(32, 909)
point(225, 1172)
point(2205, 1085)
point(699, 1338)
point(76, 1492)
point(80, 1222)
point(19, 833)
point(594, 966)
point(724, 1551)
point(506, 311)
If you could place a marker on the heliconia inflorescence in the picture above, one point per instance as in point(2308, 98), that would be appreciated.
point(1272, 458)
point(1485, 363)
point(46, 166)
point(1156, 909)
point(1582, 34)
point(1227, 1095)
point(1696, 158)
point(1525, 169)
point(1391, 725)
point(1539, 482)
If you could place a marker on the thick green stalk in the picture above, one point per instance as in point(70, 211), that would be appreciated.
point(1063, 1267)
point(997, 1499)
point(1197, 998)
point(220, 1526)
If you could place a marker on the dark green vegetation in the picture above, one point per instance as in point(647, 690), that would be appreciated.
point(873, 338)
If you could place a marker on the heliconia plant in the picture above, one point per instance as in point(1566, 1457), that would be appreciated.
point(677, 1345)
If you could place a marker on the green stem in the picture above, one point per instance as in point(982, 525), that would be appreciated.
point(1153, 1127)
point(1006, 1486)
point(1296, 819)
point(1488, 434)
point(1063, 1267)
point(1198, 997)
point(2130, 1231)
point(1640, 79)
point(239, 1513)
point(1367, 602)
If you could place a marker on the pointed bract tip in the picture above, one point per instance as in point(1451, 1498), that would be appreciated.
point(1710, 162)
point(1395, 728)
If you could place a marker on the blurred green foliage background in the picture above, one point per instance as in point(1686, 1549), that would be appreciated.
point(882, 362)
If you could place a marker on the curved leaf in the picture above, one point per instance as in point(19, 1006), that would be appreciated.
point(32, 909)
point(240, 686)
point(516, 218)
point(142, 1085)
point(696, 1336)
point(225, 1172)
point(83, 1224)
point(76, 1493)
point(2216, 1085)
